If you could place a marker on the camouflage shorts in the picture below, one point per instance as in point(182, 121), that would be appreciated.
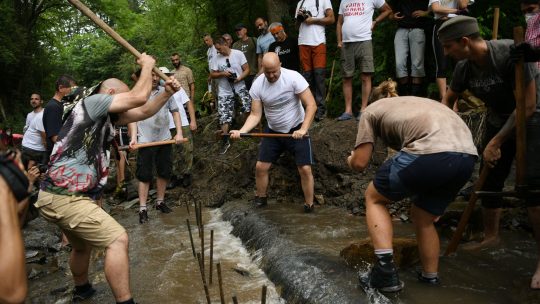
point(226, 105)
point(225, 109)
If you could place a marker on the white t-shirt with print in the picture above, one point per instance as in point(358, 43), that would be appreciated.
point(180, 98)
point(444, 3)
point(313, 34)
point(281, 102)
point(234, 65)
point(358, 18)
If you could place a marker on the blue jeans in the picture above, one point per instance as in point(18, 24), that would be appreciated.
point(410, 42)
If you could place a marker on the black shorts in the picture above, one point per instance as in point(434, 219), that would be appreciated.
point(271, 148)
point(147, 157)
point(39, 157)
point(432, 180)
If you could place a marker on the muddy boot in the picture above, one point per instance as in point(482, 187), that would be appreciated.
point(260, 202)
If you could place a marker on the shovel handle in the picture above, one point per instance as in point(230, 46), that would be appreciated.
point(279, 135)
point(151, 144)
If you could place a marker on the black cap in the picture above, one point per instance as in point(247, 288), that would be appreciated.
point(239, 26)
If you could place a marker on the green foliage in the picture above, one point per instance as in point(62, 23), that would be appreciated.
point(41, 40)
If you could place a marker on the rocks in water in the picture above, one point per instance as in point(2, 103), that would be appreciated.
point(129, 204)
point(405, 252)
point(242, 271)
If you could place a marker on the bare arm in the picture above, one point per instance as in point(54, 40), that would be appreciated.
point(132, 131)
point(176, 118)
point(360, 157)
point(13, 287)
point(339, 32)
point(43, 138)
point(217, 74)
point(192, 117)
point(436, 7)
point(385, 12)
point(310, 107)
point(252, 121)
point(141, 91)
point(327, 20)
point(449, 98)
point(245, 73)
point(462, 4)
point(492, 151)
point(192, 90)
point(149, 108)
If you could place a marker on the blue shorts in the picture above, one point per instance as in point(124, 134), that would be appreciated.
point(432, 180)
point(271, 148)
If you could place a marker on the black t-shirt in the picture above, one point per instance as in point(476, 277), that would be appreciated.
point(287, 52)
point(52, 121)
point(406, 8)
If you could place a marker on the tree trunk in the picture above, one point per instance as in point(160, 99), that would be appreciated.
point(277, 9)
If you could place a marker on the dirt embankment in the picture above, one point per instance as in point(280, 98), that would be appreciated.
point(219, 178)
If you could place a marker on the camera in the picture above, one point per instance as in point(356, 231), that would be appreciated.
point(42, 168)
point(303, 14)
point(232, 77)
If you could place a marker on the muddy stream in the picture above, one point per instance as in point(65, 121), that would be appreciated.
point(163, 269)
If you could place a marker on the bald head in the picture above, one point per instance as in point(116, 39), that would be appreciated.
point(270, 60)
point(113, 86)
point(271, 66)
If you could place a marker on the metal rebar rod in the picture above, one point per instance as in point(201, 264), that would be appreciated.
point(206, 291)
point(263, 295)
point(211, 263)
point(190, 237)
point(220, 283)
point(234, 299)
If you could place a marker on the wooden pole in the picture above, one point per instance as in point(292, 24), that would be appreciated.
point(211, 256)
point(220, 283)
point(495, 31)
point(206, 292)
point(151, 144)
point(521, 141)
point(114, 35)
point(190, 237)
point(456, 238)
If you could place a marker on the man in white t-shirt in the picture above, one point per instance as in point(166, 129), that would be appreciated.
point(34, 141)
point(152, 129)
point(312, 16)
point(211, 53)
point(182, 154)
point(282, 92)
point(229, 68)
point(353, 31)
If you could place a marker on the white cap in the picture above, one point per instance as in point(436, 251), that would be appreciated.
point(165, 70)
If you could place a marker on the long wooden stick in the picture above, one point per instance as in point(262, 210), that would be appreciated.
point(152, 144)
point(495, 31)
point(456, 238)
point(264, 135)
point(114, 35)
point(521, 135)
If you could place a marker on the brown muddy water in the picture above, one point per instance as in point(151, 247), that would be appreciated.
point(163, 269)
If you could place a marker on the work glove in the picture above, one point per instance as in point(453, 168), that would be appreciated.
point(526, 51)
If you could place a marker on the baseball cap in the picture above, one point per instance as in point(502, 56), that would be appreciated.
point(239, 26)
point(165, 71)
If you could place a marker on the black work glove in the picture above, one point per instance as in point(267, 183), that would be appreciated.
point(524, 50)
